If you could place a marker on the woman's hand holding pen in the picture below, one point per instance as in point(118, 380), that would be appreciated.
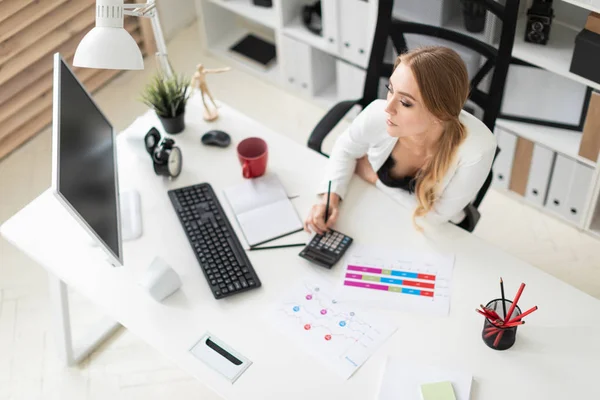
point(315, 221)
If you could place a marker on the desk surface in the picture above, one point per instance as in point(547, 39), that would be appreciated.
point(555, 356)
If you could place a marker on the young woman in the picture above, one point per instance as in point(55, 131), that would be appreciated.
point(418, 146)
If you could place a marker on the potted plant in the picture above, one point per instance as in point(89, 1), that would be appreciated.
point(474, 13)
point(168, 95)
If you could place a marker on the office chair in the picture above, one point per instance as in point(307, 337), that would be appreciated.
point(497, 62)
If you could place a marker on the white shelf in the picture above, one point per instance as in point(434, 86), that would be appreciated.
point(263, 15)
point(221, 49)
point(585, 4)
point(295, 29)
point(563, 141)
point(555, 56)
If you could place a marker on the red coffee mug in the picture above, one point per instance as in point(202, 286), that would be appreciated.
point(253, 154)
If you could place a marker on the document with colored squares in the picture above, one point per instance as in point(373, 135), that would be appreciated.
point(398, 279)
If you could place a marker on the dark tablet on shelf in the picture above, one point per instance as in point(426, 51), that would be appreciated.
point(255, 49)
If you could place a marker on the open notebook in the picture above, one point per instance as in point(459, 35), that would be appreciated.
point(263, 209)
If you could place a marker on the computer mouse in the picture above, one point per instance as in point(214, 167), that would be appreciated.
point(216, 138)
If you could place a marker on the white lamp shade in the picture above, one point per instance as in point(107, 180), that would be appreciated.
point(108, 48)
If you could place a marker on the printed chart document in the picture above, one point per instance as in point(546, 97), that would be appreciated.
point(263, 209)
point(336, 334)
point(403, 379)
point(397, 279)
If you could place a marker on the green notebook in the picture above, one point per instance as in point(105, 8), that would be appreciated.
point(437, 391)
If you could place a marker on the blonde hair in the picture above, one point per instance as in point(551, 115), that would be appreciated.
point(444, 84)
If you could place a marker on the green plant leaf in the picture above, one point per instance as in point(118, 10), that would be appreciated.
point(168, 96)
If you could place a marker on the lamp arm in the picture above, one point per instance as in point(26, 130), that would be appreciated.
point(148, 10)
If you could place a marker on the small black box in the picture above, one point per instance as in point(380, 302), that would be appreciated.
point(263, 3)
point(586, 56)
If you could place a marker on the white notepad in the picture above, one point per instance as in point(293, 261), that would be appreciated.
point(263, 209)
point(405, 376)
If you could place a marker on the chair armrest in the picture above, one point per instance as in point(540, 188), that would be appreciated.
point(327, 123)
point(472, 216)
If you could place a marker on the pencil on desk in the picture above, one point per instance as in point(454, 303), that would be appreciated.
point(282, 246)
point(526, 313)
point(514, 303)
point(503, 299)
point(327, 206)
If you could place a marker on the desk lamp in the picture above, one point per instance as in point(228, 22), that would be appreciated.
point(109, 46)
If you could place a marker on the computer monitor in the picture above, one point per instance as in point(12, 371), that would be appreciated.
point(84, 173)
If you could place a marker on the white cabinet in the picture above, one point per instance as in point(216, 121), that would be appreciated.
point(540, 170)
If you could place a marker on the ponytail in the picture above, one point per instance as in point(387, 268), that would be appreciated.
point(433, 172)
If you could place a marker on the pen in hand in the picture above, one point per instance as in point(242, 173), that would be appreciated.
point(327, 206)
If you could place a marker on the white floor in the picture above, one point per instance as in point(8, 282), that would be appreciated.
point(125, 368)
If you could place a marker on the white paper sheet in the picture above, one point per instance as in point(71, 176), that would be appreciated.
point(403, 378)
point(343, 339)
point(397, 279)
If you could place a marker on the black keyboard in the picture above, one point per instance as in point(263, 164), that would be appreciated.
point(218, 250)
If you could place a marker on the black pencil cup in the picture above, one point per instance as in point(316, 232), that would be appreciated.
point(509, 335)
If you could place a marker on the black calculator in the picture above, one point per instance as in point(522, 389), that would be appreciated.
point(326, 250)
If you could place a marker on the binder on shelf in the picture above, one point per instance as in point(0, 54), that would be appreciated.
point(356, 32)
point(306, 69)
point(521, 164)
point(578, 192)
point(540, 170)
point(295, 62)
point(560, 184)
point(590, 142)
point(330, 15)
point(507, 143)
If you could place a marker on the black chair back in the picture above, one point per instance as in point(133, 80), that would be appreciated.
point(496, 59)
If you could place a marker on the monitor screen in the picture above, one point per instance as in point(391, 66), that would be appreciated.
point(85, 165)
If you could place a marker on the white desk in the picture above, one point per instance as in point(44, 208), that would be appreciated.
point(555, 357)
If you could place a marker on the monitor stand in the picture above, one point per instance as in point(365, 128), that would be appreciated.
point(131, 215)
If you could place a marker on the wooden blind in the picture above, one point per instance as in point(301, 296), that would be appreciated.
point(31, 31)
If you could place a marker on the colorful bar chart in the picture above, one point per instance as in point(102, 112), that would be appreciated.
point(379, 279)
point(397, 278)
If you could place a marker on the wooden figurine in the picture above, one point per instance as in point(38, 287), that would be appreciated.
point(199, 81)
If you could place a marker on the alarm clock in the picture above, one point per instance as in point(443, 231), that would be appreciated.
point(166, 157)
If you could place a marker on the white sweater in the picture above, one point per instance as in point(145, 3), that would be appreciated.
point(367, 135)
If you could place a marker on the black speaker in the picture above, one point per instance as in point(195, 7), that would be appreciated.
point(263, 3)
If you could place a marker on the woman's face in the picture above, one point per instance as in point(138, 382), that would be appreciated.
point(407, 115)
